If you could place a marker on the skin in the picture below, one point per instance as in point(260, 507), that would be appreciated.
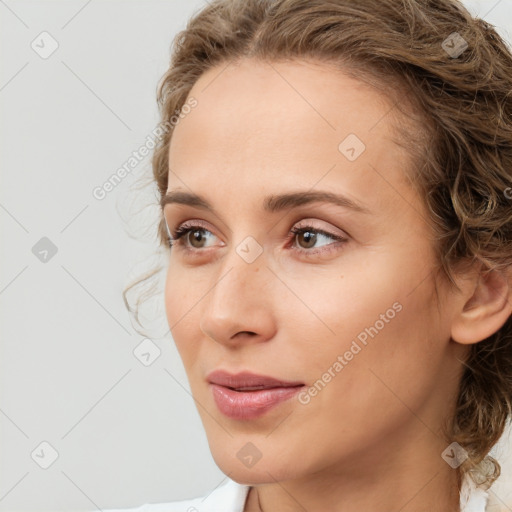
point(371, 439)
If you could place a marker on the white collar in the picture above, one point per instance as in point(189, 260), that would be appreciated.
point(473, 498)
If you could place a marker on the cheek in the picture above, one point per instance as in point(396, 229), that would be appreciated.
point(172, 303)
point(375, 318)
point(359, 393)
point(338, 305)
point(179, 307)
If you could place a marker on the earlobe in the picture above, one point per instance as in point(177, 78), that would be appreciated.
point(485, 306)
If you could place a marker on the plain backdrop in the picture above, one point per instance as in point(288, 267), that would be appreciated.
point(77, 93)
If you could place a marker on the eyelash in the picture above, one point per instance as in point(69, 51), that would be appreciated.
point(185, 229)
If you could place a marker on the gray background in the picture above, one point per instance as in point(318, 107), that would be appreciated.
point(125, 433)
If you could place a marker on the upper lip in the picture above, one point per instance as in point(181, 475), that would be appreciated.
point(248, 381)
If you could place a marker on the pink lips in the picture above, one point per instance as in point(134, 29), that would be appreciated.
point(246, 395)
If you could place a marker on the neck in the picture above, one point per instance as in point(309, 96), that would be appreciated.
point(412, 480)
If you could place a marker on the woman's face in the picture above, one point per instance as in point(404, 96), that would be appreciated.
point(341, 313)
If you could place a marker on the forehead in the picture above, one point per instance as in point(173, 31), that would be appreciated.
point(259, 102)
point(258, 125)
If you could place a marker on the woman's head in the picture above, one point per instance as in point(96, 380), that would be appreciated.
point(392, 306)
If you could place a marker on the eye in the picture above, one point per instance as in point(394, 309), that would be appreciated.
point(191, 236)
point(307, 238)
point(194, 237)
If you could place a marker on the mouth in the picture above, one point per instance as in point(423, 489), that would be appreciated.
point(245, 395)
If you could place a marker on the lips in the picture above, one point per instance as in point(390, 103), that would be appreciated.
point(246, 395)
point(245, 381)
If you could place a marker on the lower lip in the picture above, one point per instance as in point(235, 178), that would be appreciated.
point(246, 405)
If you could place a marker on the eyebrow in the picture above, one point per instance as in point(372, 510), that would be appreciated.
point(271, 204)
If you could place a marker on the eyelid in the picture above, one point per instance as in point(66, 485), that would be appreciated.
point(190, 223)
point(304, 222)
point(311, 223)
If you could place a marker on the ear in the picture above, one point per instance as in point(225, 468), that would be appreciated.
point(485, 304)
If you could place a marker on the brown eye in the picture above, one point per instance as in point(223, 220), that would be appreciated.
point(196, 238)
point(193, 237)
point(309, 239)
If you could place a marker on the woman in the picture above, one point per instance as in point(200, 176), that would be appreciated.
point(338, 209)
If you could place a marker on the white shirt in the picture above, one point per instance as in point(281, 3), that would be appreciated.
point(231, 496)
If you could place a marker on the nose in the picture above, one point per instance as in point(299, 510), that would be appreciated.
point(238, 308)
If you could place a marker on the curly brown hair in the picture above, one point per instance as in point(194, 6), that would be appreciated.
point(455, 119)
